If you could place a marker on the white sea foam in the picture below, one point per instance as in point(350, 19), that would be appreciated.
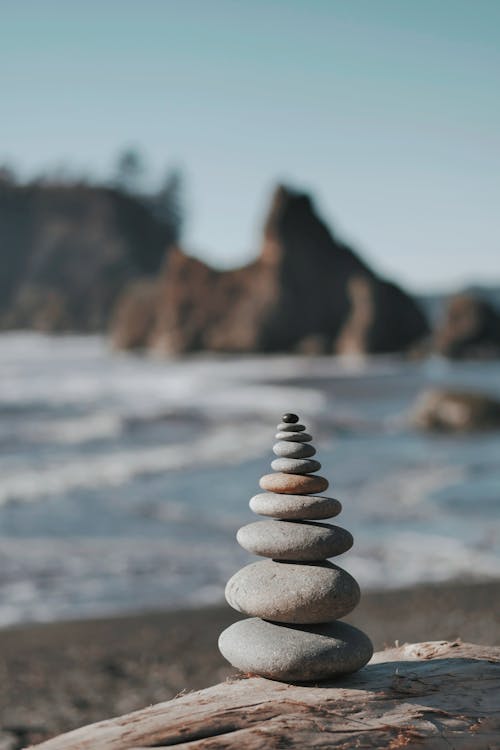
point(84, 429)
point(411, 558)
point(402, 491)
point(82, 577)
point(78, 370)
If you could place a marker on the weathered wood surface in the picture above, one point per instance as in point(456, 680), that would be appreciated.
point(437, 695)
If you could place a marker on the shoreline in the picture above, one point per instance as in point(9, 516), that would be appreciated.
point(58, 676)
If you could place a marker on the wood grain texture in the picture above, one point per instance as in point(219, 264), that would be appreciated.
point(435, 695)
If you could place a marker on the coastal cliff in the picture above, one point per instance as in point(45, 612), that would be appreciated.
point(68, 250)
point(78, 257)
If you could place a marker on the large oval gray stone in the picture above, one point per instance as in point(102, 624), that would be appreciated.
point(286, 427)
point(293, 540)
point(294, 437)
point(286, 449)
point(297, 593)
point(295, 507)
point(293, 653)
point(295, 465)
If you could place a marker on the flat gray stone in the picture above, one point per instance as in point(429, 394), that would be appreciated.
point(295, 465)
point(286, 449)
point(296, 593)
point(286, 427)
point(294, 437)
point(294, 540)
point(295, 507)
point(293, 653)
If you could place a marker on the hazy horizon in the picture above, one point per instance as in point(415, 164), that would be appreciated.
point(387, 112)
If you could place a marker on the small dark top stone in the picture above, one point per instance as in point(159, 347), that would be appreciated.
point(290, 418)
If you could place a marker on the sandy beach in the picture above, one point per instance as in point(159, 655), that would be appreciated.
point(55, 677)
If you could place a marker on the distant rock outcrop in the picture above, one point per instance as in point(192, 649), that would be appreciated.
point(470, 328)
point(443, 410)
point(306, 292)
point(67, 252)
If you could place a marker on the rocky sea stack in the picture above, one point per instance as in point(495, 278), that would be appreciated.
point(306, 292)
point(295, 597)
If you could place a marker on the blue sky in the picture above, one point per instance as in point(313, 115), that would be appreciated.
point(387, 110)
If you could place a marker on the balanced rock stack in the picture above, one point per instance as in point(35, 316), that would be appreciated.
point(295, 598)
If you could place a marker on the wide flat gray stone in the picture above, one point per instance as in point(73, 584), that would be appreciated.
point(294, 437)
point(286, 449)
point(295, 507)
point(297, 593)
point(286, 427)
point(295, 465)
point(294, 540)
point(292, 653)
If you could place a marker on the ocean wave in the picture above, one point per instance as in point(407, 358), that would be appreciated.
point(44, 580)
point(76, 417)
point(221, 445)
point(84, 429)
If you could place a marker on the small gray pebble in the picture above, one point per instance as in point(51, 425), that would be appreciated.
point(294, 653)
point(295, 507)
point(284, 427)
point(297, 593)
point(295, 465)
point(292, 540)
point(286, 449)
point(294, 437)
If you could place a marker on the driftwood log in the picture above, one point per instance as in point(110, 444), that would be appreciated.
point(437, 695)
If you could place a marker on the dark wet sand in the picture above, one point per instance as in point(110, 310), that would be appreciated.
point(59, 676)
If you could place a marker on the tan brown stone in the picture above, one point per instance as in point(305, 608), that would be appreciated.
point(293, 484)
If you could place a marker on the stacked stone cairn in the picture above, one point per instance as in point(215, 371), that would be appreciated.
point(296, 597)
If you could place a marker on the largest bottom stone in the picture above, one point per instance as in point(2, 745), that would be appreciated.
point(295, 653)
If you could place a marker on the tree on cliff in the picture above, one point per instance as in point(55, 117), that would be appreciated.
point(129, 171)
point(68, 249)
point(167, 203)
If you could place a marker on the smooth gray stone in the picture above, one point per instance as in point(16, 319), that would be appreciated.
point(286, 427)
point(296, 465)
point(295, 507)
point(296, 593)
point(285, 449)
point(294, 437)
point(294, 540)
point(292, 653)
